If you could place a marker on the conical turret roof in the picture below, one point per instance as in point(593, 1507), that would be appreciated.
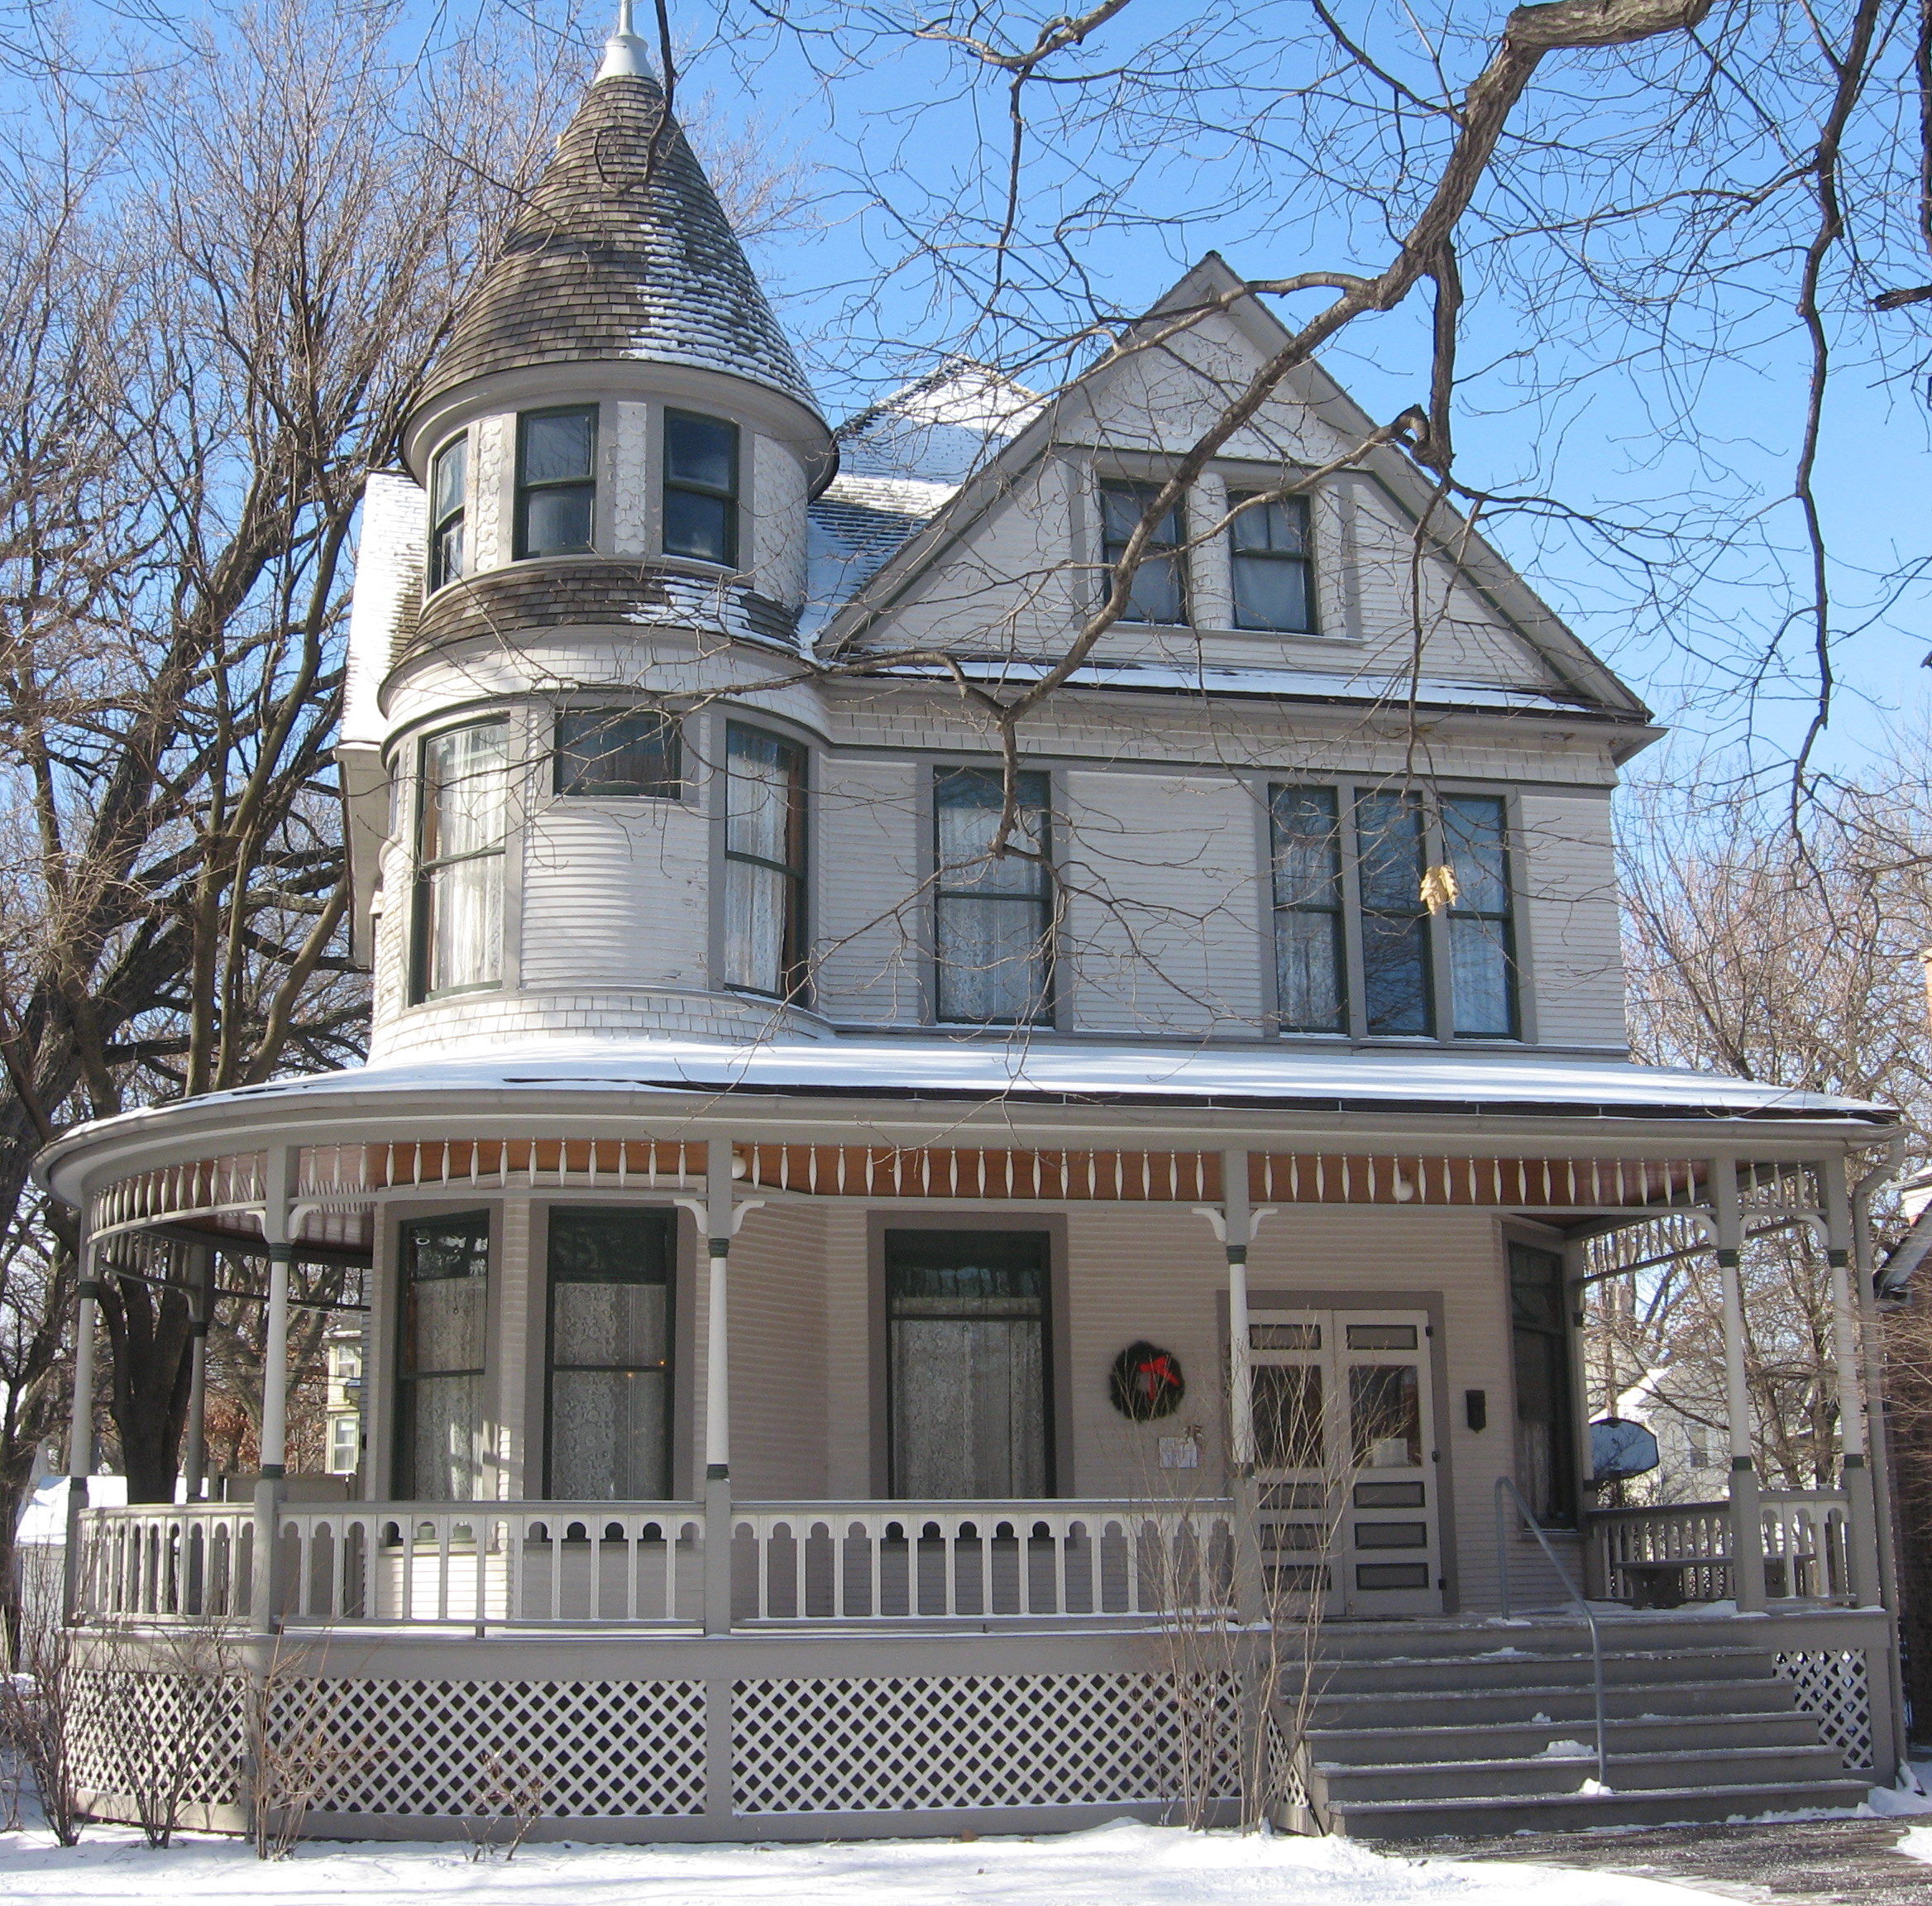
point(621, 251)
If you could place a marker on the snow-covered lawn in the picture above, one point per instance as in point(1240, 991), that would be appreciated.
point(1118, 1866)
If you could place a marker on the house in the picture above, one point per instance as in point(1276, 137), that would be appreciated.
point(869, 1333)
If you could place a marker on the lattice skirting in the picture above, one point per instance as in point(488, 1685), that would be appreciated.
point(636, 1750)
point(1834, 1684)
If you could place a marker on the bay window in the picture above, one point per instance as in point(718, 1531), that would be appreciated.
point(462, 807)
point(993, 914)
point(445, 1278)
point(1358, 949)
point(764, 863)
point(618, 751)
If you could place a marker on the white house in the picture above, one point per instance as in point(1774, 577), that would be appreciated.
point(822, 1274)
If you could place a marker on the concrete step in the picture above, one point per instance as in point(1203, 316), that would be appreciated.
point(1412, 1819)
point(1485, 1779)
point(1523, 1739)
point(1399, 1676)
point(1477, 1706)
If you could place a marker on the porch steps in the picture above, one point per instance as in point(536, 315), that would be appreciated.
point(1488, 1729)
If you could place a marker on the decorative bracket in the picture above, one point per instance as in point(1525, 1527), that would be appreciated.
point(1217, 1218)
point(700, 1209)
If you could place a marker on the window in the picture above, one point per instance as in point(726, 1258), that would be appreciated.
point(449, 485)
point(1545, 1441)
point(1480, 955)
point(1357, 948)
point(701, 487)
point(993, 914)
point(459, 859)
point(764, 863)
point(345, 1444)
point(1397, 993)
point(612, 751)
point(445, 1264)
point(1158, 593)
point(967, 1362)
point(609, 1390)
point(557, 488)
point(1268, 551)
point(1308, 952)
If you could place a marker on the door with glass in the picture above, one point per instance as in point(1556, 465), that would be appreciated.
point(967, 1365)
point(1343, 1433)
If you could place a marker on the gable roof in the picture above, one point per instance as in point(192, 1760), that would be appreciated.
point(621, 251)
point(1580, 678)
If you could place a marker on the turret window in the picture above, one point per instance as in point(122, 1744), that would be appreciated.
point(618, 752)
point(557, 488)
point(460, 858)
point(764, 863)
point(701, 487)
point(449, 488)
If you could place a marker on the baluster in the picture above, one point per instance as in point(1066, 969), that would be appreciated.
point(800, 1542)
point(986, 1531)
point(875, 1536)
point(558, 1524)
point(444, 1526)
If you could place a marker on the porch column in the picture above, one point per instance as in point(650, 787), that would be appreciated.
point(200, 1266)
point(1861, 1514)
point(1237, 1233)
point(1747, 1529)
point(719, 1226)
point(274, 1392)
point(80, 1432)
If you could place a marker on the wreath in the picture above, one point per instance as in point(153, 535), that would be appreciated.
point(1146, 1382)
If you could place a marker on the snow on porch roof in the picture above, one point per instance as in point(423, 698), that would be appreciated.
point(978, 1070)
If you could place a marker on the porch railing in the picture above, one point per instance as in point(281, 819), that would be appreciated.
point(1803, 1534)
point(644, 1563)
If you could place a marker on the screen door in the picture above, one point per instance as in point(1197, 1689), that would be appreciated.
point(966, 1322)
point(1343, 1434)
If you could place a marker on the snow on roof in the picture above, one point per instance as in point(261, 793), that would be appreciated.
point(43, 1517)
point(978, 1068)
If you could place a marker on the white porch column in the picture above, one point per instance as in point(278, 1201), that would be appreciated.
point(80, 1432)
point(1237, 1234)
point(1861, 1512)
point(200, 1268)
point(275, 1391)
point(719, 1225)
point(1747, 1530)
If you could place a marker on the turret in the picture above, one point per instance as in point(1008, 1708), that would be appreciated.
point(611, 462)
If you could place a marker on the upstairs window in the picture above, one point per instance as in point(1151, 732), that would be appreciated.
point(449, 487)
point(701, 487)
point(993, 913)
point(1158, 592)
point(764, 863)
point(557, 486)
point(618, 751)
point(460, 859)
point(1267, 552)
point(1357, 949)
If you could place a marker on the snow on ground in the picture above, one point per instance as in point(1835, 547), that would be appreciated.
point(1123, 1864)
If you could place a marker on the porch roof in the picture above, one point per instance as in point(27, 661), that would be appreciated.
point(979, 1070)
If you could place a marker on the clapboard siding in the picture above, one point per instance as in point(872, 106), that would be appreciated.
point(780, 1404)
point(1570, 883)
point(873, 842)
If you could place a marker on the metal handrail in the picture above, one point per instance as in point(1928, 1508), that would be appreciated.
point(1506, 1488)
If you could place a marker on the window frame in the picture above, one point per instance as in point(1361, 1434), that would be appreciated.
point(674, 789)
point(732, 498)
point(1045, 1011)
point(441, 521)
point(1175, 552)
point(668, 1365)
point(795, 975)
point(422, 870)
point(1352, 978)
point(525, 488)
point(401, 1463)
point(1305, 561)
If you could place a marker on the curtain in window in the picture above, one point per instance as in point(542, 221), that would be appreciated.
point(764, 849)
point(967, 1323)
point(1307, 901)
point(445, 1298)
point(465, 810)
point(993, 911)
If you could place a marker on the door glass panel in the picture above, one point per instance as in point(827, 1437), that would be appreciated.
point(966, 1322)
point(1285, 1336)
point(1546, 1436)
point(1381, 1337)
point(1385, 1410)
point(1288, 1416)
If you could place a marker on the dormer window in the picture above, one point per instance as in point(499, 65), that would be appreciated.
point(449, 489)
point(1158, 592)
point(608, 752)
point(557, 485)
point(1268, 551)
point(701, 488)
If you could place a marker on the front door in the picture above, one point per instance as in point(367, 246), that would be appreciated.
point(1343, 1427)
point(966, 1326)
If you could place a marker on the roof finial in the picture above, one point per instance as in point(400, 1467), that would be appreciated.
point(624, 57)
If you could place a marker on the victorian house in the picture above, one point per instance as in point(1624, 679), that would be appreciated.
point(857, 1317)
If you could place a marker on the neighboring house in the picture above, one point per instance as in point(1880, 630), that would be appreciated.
point(812, 1261)
point(342, 1400)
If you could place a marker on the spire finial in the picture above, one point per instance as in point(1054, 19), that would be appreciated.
point(624, 57)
